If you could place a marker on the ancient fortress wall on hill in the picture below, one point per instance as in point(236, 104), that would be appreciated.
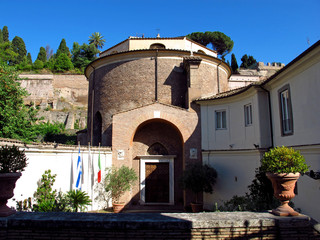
point(59, 98)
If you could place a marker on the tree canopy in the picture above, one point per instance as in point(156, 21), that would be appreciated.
point(83, 55)
point(219, 41)
point(42, 55)
point(16, 120)
point(19, 47)
point(63, 49)
point(5, 34)
point(97, 40)
point(248, 62)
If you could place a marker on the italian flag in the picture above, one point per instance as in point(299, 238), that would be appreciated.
point(99, 165)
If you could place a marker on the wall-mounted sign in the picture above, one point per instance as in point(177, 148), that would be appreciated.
point(120, 154)
point(193, 153)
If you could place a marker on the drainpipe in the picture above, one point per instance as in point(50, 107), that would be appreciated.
point(92, 102)
point(156, 77)
point(218, 79)
point(270, 114)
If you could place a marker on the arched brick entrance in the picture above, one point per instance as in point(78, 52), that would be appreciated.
point(157, 151)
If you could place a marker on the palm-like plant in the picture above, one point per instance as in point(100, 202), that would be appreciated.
point(78, 199)
point(97, 40)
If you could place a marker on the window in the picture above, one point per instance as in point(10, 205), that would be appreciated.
point(248, 115)
point(157, 46)
point(221, 121)
point(285, 111)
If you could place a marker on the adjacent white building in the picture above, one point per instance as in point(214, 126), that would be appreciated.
point(240, 125)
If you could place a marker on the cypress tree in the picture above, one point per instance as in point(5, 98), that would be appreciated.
point(19, 47)
point(42, 56)
point(1, 37)
point(234, 64)
point(5, 34)
point(63, 49)
point(29, 59)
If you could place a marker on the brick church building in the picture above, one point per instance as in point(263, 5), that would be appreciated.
point(141, 103)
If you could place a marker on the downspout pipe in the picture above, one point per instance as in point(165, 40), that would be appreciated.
point(92, 103)
point(218, 77)
point(156, 77)
point(270, 115)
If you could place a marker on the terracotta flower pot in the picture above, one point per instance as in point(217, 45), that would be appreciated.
point(117, 207)
point(283, 188)
point(7, 185)
point(196, 207)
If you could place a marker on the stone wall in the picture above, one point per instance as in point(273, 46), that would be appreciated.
point(232, 225)
point(59, 98)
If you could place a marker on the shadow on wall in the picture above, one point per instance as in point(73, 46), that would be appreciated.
point(177, 79)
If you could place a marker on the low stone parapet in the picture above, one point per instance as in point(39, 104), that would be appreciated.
point(226, 225)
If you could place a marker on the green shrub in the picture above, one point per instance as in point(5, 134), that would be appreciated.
point(38, 64)
point(63, 63)
point(283, 160)
point(12, 159)
point(119, 180)
point(78, 200)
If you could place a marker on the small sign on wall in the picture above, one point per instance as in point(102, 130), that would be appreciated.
point(193, 153)
point(120, 154)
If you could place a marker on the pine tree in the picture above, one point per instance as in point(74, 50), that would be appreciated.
point(19, 47)
point(234, 64)
point(5, 34)
point(42, 55)
point(63, 49)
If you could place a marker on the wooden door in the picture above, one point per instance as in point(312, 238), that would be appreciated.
point(157, 183)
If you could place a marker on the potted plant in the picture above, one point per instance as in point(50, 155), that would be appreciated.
point(283, 166)
point(117, 182)
point(12, 162)
point(199, 178)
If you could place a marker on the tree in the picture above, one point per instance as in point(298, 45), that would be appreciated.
point(38, 64)
point(1, 36)
point(42, 55)
point(219, 41)
point(251, 61)
point(248, 62)
point(29, 59)
point(63, 63)
point(16, 120)
point(244, 60)
point(6, 53)
point(83, 55)
point(19, 47)
point(234, 64)
point(5, 34)
point(97, 40)
point(199, 37)
point(63, 49)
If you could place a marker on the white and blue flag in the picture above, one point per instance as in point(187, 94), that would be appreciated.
point(79, 172)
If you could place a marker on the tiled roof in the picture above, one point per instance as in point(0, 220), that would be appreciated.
point(228, 93)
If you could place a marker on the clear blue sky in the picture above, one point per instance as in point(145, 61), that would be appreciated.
point(273, 30)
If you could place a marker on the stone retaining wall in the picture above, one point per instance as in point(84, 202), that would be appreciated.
point(235, 225)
